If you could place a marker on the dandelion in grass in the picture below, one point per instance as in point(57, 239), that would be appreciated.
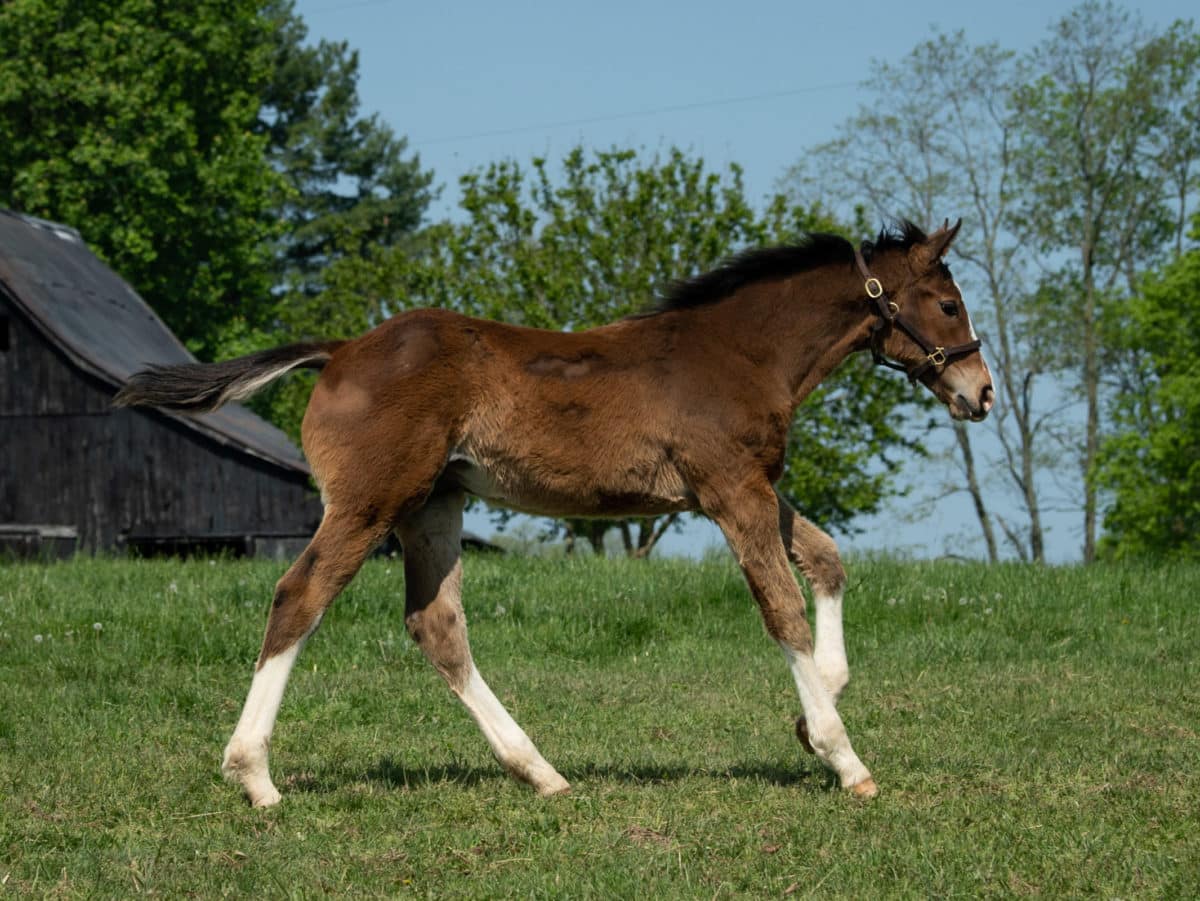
point(37, 639)
point(97, 628)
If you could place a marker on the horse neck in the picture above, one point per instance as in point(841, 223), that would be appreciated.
point(802, 327)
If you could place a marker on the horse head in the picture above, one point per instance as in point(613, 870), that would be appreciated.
point(922, 326)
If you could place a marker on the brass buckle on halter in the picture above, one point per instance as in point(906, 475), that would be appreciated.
point(938, 357)
point(874, 288)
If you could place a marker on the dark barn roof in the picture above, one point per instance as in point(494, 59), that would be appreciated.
point(102, 325)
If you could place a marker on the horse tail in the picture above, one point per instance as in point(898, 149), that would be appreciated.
point(201, 387)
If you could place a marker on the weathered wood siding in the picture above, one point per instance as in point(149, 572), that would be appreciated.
point(67, 459)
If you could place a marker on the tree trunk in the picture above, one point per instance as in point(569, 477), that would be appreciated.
point(595, 536)
point(1037, 545)
point(650, 531)
point(985, 521)
point(593, 530)
point(626, 537)
point(1091, 386)
point(1021, 404)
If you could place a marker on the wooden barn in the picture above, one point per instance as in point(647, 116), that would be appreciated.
point(78, 475)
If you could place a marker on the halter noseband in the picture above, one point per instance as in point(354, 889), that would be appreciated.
point(888, 312)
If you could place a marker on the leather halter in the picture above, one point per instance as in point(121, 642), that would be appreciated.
point(889, 313)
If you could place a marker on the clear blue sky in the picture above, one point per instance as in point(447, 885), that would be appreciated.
point(753, 83)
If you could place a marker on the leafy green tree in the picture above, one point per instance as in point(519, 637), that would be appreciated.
point(1107, 137)
point(206, 152)
point(1074, 167)
point(594, 238)
point(134, 121)
point(1151, 465)
point(930, 143)
point(351, 198)
point(351, 184)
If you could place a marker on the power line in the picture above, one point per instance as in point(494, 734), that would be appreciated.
point(354, 4)
point(657, 111)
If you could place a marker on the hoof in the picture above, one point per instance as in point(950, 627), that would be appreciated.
point(553, 787)
point(266, 799)
point(543, 779)
point(866, 789)
point(802, 734)
point(249, 770)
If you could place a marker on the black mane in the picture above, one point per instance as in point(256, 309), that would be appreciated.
point(750, 266)
point(897, 236)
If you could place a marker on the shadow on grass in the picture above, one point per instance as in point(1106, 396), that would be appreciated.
point(397, 775)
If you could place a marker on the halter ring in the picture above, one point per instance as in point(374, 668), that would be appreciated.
point(874, 288)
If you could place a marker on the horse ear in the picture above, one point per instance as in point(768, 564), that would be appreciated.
point(935, 246)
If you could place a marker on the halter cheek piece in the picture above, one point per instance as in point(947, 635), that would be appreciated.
point(888, 312)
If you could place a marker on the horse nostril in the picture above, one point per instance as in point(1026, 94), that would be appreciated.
point(987, 398)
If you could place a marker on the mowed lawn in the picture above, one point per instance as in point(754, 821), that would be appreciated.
point(1034, 731)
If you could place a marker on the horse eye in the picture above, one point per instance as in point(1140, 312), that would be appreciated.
point(950, 308)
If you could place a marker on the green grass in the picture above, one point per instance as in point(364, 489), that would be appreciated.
point(1033, 731)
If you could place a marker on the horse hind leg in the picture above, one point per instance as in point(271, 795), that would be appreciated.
point(342, 542)
point(432, 541)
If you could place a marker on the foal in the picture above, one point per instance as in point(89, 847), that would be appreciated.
point(685, 408)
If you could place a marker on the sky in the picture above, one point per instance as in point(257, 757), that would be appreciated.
point(469, 83)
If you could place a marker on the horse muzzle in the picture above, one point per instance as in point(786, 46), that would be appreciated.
point(963, 408)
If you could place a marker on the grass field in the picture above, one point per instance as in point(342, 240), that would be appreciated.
point(1033, 732)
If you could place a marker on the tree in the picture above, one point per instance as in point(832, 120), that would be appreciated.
point(934, 141)
point(348, 175)
point(1100, 153)
point(1075, 164)
point(1152, 463)
point(134, 121)
point(596, 238)
point(350, 198)
point(210, 156)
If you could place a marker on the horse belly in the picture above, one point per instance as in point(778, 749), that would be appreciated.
point(551, 491)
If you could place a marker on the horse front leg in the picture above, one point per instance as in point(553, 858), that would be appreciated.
point(816, 555)
point(749, 516)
